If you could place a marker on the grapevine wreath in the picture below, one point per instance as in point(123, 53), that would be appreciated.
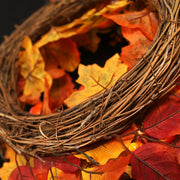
point(106, 113)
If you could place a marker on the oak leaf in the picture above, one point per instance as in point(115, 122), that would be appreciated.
point(96, 79)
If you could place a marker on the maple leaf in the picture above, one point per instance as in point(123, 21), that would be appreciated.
point(139, 28)
point(96, 79)
point(163, 120)
point(111, 156)
point(144, 20)
point(160, 159)
point(59, 56)
point(110, 150)
point(32, 70)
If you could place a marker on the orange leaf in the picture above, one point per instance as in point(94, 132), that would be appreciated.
point(112, 170)
point(144, 20)
point(45, 107)
point(139, 44)
point(139, 28)
point(96, 79)
point(59, 56)
point(36, 109)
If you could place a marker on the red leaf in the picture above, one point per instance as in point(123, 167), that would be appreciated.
point(22, 173)
point(163, 119)
point(160, 157)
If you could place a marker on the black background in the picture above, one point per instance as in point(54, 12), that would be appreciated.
point(14, 12)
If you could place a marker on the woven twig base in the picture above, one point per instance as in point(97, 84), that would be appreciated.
point(102, 115)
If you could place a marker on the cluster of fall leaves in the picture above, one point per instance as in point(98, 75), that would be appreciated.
point(45, 84)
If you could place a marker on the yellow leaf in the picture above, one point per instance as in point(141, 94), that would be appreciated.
point(8, 167)
point(110, 150)
point(96, 79)
point(32, 70)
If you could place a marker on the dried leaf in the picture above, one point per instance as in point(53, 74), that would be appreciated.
point(89, 40)
point(59, 56)
point(161, 162)
point(32, 70)
point(96, 79)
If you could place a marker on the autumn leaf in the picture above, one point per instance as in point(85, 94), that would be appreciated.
point(144, 20)
point(96, 79)
point(110, 150)
point(32, 70)
point(178, 152)
point(139, 28)
point(163, 120)
point(111, 170)
point(60, 56)
point(111, 156)
point(161, 162)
